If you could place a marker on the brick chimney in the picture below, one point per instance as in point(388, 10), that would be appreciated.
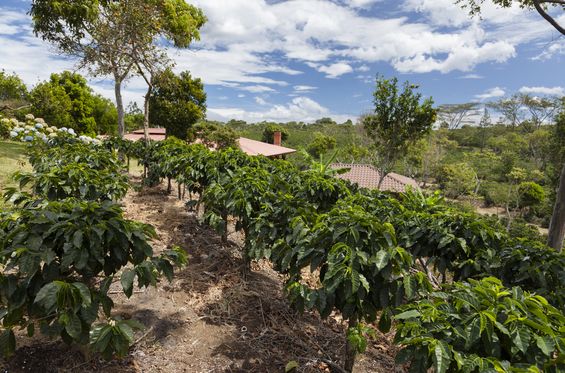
point(277, 138)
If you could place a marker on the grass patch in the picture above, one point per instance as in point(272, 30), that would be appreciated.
point(12, 158)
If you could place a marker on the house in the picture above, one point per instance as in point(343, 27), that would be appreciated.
point(248, 146)
point(155, 134)
point(367, 176)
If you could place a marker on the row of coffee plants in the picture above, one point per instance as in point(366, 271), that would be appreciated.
point(64, 241)
point(374, 252)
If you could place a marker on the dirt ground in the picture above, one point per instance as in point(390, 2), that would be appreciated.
point(211, 318)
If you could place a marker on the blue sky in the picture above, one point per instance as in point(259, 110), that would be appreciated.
point(306, 59)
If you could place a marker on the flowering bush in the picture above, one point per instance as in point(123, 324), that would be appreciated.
point(36, 129)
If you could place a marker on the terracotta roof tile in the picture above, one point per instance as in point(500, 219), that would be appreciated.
point(254, 147)
point(152, 131)
point(367, 176)
point(138, 136)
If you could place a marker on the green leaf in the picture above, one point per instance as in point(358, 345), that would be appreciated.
point(77, 239)
point(442, 356)
point(127, 281)
point(84, 293)
point(7, 342)
point(546, 344)
point(381, 259)
point(73, 326)
point(290, 366)
point(385, 321)
point(30, 329)
point(408, 315)
point(47, 296)
point(521, 338)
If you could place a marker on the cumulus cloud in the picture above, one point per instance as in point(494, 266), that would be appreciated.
point(491, 93)
point(335, 70)
point(549, 91)
point(298, 109)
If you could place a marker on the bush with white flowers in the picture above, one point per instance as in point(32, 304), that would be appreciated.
point(36, 129)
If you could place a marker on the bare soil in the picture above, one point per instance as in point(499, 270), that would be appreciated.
point(212, 317)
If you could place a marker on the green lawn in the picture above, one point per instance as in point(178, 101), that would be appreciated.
point(12, 159)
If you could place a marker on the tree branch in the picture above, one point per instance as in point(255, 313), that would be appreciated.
point(547, 17)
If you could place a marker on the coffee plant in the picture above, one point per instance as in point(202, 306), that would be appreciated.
point(481, 326)
point(369, 252)
point(59, 261)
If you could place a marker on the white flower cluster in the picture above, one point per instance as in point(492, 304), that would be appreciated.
point(36, 128)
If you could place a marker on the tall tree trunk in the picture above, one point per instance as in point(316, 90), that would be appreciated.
point(120, 107)
point(556, 232)
point(146, 113)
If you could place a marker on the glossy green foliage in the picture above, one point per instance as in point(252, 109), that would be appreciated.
point(356, 251)
point(52, 256)
point(75, 170)
point(177, 102)
point(60, 254)
point(481, 326)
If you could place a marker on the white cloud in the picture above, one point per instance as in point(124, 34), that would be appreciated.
point(298, 109)
point(335, 70)
point(556, 48)
point(360, 3)
point(304, 88)
point(491, 93)
point(241, 95)
point(260, 101)
point(549, 91)
point(364, 68)
point(471, 76)
point(256, 88)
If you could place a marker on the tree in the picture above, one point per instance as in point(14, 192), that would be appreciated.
point(215, 135)
point(509, 107)
point(321, 144)
point(269, 132)
point(105, 114)
point(134, 117)
point(13, 92)
point(65, 100)
point(556, 233)
point(541, 6)
point(458, 179)
point(113, 37)
point(484, 123)
point(541, 109)
point(177, 102)
point(399, 120)
point(453, 116)
point(530, 194)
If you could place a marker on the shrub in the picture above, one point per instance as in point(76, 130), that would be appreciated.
point(60, 260)
point(531, 194)
point(481, 326)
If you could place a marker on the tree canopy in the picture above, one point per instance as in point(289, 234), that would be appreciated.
point(399, 120)
point(177, 102)
point(65, 100)
point(112, 37)
point(541, 6)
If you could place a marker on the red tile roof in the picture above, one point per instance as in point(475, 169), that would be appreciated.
point(152, 131)
point(367, 176)
point(248, 146)
point(140, 136)
point(254, 147)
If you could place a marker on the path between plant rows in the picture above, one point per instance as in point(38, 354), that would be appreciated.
point(209, 319)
